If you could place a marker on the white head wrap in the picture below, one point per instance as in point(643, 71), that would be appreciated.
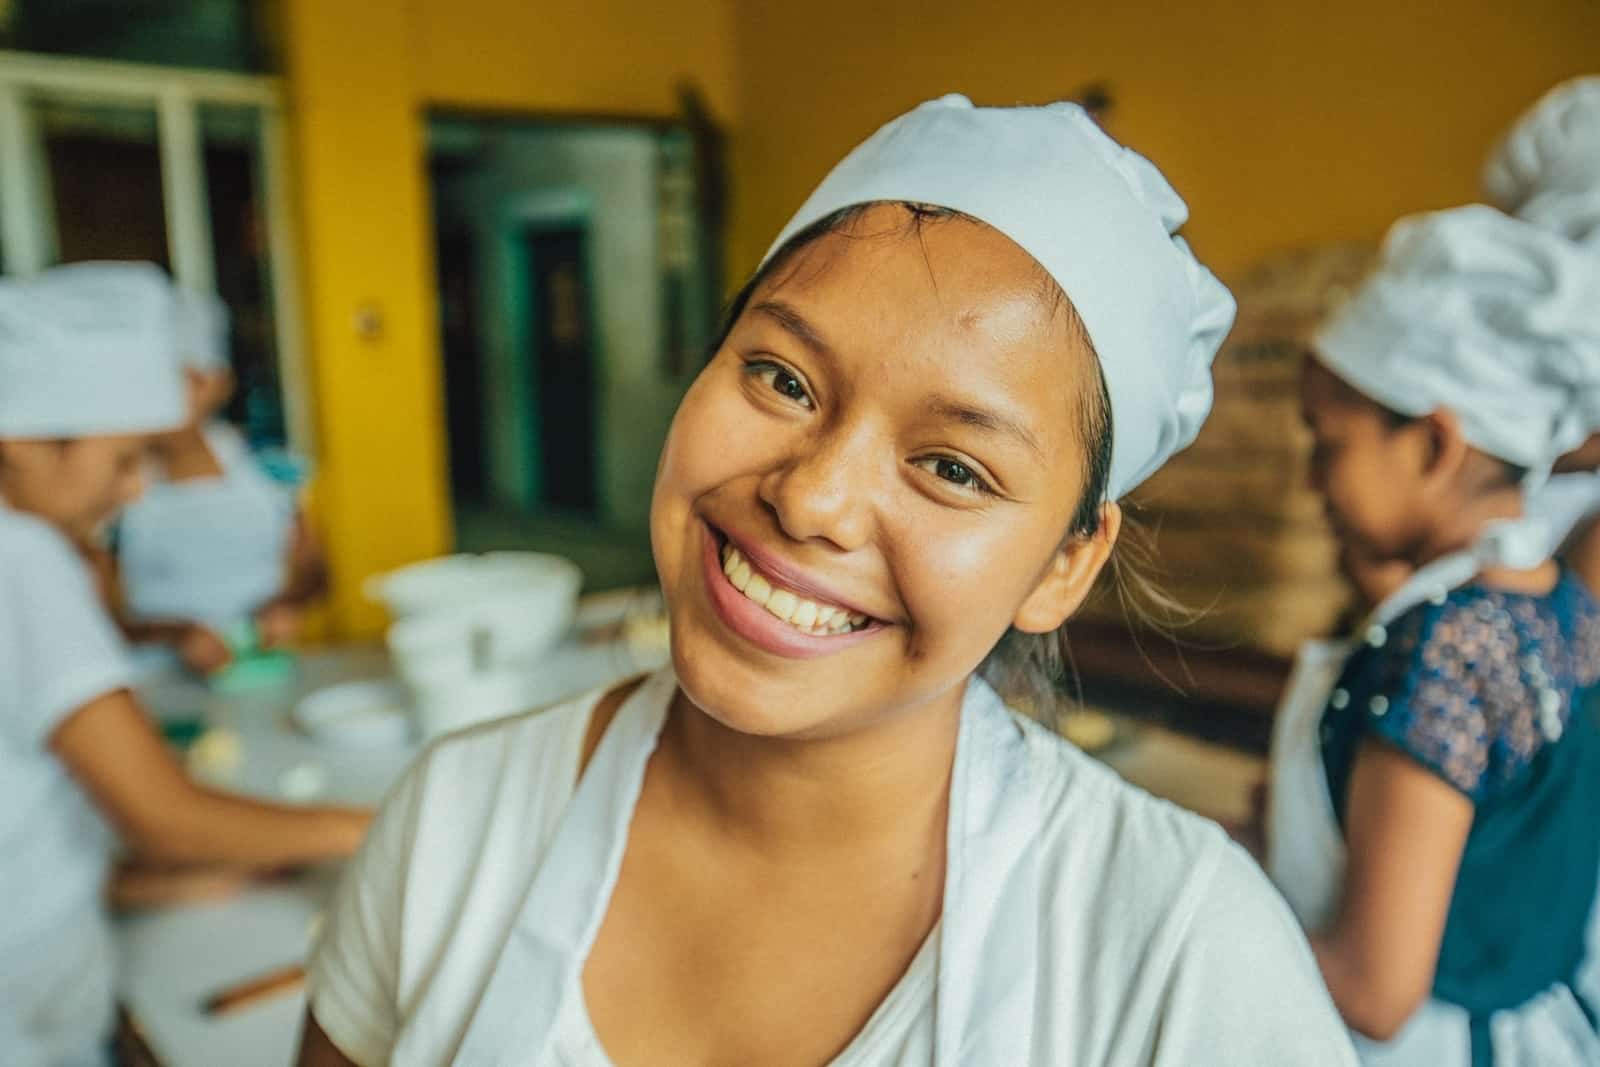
point(202, 324)
point(1547, 170)
point(1483, 314)
point(1098, 217)
point(87, 349)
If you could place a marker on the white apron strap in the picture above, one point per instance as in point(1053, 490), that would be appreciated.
point(1305, 851)
point(989, 937)
point(542, 960)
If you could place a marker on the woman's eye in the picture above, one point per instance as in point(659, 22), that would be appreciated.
point(956, 473)
point(781, 382)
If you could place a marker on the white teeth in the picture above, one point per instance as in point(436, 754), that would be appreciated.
point(808, 616)
point(782, 604)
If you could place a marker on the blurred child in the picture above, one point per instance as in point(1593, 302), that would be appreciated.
point(216, 542)
point(86, 374)
point(1435, 778)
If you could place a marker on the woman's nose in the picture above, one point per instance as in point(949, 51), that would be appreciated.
point(828, 492)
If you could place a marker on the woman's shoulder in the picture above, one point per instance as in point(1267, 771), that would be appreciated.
point(40, 566)
point(27, 541)
point(1113, 840)
point(1475, 684)
point(531, 757)
point(1150, 903)
point(1089, 794)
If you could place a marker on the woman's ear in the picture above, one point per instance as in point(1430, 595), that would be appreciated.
point(1069, 576)
point(1446, 448)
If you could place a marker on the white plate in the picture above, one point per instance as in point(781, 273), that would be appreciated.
point(366, 714)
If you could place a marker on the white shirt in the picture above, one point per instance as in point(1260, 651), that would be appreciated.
point(1159, 941)
point(58, 651)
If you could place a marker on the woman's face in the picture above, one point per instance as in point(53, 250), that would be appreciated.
point(873, 479)
point(1368, 471)
point(77, 485)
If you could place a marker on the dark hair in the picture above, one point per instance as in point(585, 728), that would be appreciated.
point(1509, 473)
point(1028, 668)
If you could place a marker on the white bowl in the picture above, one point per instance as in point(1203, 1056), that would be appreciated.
point(520, 625)
point(436, 647)
point(427, 586)
point(463, 581)
point(453, 705)
point(365, 714)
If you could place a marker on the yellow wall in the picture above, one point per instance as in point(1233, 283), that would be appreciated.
point(1281, 123)
point(362, 75)
point(358, 148)
point(580, 56)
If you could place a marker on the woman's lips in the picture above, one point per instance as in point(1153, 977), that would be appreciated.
point(770, 614)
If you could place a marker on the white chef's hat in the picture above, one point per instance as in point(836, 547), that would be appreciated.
point(1098, 217)
point(202, 325)
point(1486, 315)
point(1547, 169)
point(87, 349)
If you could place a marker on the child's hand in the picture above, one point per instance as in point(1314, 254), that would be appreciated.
point(136, 885)
point(202, 650)
point(278, 624)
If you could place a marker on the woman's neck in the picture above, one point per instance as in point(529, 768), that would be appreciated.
point(186, 454)
point(1465, 523)
point(863, 789)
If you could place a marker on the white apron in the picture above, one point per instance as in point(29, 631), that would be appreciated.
point(993, 885)
point(212, 550)
point(1306, 853)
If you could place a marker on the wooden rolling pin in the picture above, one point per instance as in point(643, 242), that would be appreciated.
point(255, 990)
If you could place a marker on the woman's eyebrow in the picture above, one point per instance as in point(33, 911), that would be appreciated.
point(797, 324)
point(983, 419)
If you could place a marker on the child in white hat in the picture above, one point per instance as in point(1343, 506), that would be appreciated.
point(86, 375)
point(216, 543)
point(1435, 775)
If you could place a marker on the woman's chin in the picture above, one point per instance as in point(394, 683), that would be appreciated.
point(740, 700)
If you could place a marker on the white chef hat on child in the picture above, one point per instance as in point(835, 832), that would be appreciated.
point(1486, 315)
point(1098, 217)
point(86, 349)
point(1547, 169)
point(202, 325)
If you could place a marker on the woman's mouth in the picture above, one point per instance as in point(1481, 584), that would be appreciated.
point(813, 617)
point(785, 617)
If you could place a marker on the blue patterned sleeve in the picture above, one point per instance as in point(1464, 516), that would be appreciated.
point(1463, 688)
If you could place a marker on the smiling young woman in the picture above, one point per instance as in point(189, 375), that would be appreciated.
point(820, 837)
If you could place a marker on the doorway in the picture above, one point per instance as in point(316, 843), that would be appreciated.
point(560, 368)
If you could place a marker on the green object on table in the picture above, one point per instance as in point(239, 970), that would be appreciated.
point(253, 667)
point(181, 733)
point(254, 670)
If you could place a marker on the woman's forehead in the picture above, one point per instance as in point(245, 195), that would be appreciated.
point(942, 281)
point(937, 325)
